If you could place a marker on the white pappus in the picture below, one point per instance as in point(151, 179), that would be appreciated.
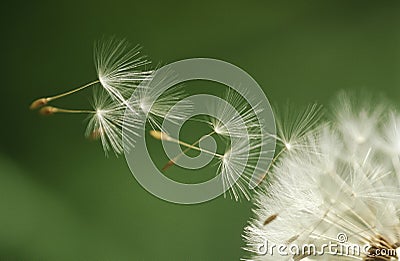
point(342, 187)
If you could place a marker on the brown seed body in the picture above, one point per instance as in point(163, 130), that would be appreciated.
point(38, 103)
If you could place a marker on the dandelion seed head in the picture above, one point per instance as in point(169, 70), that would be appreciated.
point(346, 181)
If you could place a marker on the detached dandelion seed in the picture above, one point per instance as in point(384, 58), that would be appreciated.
point(292, 126)
point(119, 68)
point(237, 124)
point(237, 166)
point(108, 121)
point(231, 115)
point(156, 106)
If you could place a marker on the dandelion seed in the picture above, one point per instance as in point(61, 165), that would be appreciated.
point(108, 121)
point(290, 135)
point(270, 219)
point(43, 101)
point(120, 69)
point(160, 135)
point(164, 136)
point(359, 126)
point(243, 146)
point(48, 110)
point(38, 103)
point(238, 165)
point(172, 162)
point(235, 166)
point(340, 184)
point(234, 117)
point(293, 124)
point(237, 124)
point(157, 105)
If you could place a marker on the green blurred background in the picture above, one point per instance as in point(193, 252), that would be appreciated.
point(61, 199)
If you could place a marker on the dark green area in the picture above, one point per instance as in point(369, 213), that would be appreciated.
point(61, 199)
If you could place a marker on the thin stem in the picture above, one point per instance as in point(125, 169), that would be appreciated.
point(277, 155)
point(164, 136)
point(71, 91)
point(197, 148)
point(48, 110)
point(172, 161)
point(43, 101)
point(74, 111)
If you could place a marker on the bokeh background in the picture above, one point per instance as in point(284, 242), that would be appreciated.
point(61, 199)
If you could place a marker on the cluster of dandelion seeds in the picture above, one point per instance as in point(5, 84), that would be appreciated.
point(343, 178)
point(121, 70)
point(240, 159)
point(236, 124)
